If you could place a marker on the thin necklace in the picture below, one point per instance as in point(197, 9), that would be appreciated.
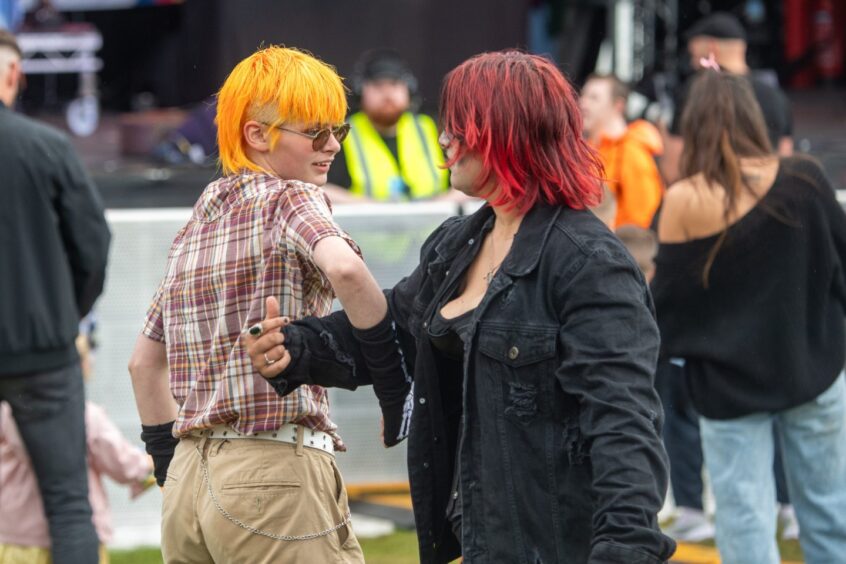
point(494, 265)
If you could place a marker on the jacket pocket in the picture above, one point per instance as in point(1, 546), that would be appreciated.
point(517, 345)
point(523, 356)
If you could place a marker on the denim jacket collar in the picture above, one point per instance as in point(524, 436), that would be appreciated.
point(530, 240)
point(466, 233)
point(528, 243)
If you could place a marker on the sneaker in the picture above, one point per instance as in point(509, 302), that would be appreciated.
point(788, 522)
point(690, 525)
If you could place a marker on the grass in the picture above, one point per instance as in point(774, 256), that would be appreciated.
point(137, 556)
point(398, 548)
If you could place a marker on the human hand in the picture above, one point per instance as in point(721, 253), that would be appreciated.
point(265, 342)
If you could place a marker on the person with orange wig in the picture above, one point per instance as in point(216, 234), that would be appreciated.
point(535, 429)
point(247, 475)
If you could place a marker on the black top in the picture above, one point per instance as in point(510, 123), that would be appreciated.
point(450, 335)
point(773, 102)
point(54, 243)
point(339, 173)
point(768, 333)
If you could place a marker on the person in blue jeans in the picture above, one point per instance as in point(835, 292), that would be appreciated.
point(749, 289)
point(684, 449)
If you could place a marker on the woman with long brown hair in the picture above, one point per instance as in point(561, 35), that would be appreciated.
point(750, 292)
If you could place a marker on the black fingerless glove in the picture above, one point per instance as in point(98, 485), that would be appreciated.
point(160, 444)
point(316, 358)
point(381, 351)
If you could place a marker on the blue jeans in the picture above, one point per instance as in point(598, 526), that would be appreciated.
point(682, 441)
point(739, 457)
point(49, 410)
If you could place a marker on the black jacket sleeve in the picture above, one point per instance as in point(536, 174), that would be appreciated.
point(330, 352)
point(326, 351)
point(609, 343)
point(83, 226)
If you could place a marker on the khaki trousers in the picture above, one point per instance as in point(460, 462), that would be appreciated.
point(277, 488)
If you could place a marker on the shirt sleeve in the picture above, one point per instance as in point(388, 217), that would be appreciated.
point(642, 187)
point(307, 217)
point(154, 322)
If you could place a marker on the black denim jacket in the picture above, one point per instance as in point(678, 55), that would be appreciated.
point(561, 458)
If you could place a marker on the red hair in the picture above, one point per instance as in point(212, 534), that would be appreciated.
point(522, 116)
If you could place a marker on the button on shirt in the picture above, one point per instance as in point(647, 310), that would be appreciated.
point(250, 236)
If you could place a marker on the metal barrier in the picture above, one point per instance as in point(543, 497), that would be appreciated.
point(390, 237)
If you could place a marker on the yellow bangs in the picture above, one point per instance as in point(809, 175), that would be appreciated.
point(275, 85)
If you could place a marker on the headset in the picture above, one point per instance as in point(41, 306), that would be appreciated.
point(387, 62)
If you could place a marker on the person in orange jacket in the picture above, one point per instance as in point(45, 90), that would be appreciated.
point(627, 150)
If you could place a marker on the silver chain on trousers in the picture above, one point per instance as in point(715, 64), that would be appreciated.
point(261, 532)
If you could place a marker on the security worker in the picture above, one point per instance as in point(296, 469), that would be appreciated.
point(391, 153)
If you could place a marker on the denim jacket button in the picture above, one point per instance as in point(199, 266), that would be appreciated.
point(426, 465)
point(422, 401)
point(454, 495)
point(471, 241)
point(513, 353)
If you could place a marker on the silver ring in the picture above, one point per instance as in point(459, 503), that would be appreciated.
point(267, 361)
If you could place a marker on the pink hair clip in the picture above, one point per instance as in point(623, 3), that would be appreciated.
point(709, 62)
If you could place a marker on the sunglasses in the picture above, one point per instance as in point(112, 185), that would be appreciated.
point(320, 137)
point(446, 139)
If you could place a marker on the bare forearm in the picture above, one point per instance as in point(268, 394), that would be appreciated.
point(149, 371)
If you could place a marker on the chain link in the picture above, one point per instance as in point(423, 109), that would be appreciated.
point(254, 530)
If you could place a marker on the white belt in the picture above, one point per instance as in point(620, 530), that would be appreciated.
point(287, 433)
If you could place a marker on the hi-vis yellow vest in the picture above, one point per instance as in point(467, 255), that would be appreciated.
point(374, 171)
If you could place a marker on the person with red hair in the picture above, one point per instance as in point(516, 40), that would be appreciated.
point(529, 334)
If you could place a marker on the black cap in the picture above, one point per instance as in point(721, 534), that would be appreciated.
point(383, 63)
point(720, 25)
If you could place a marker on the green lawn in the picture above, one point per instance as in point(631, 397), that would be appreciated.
point(398, 548)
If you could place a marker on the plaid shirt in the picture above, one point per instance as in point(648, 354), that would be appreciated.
point(250, 236)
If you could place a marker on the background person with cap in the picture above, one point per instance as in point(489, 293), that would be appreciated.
point(721, 37)
point(391, 153)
